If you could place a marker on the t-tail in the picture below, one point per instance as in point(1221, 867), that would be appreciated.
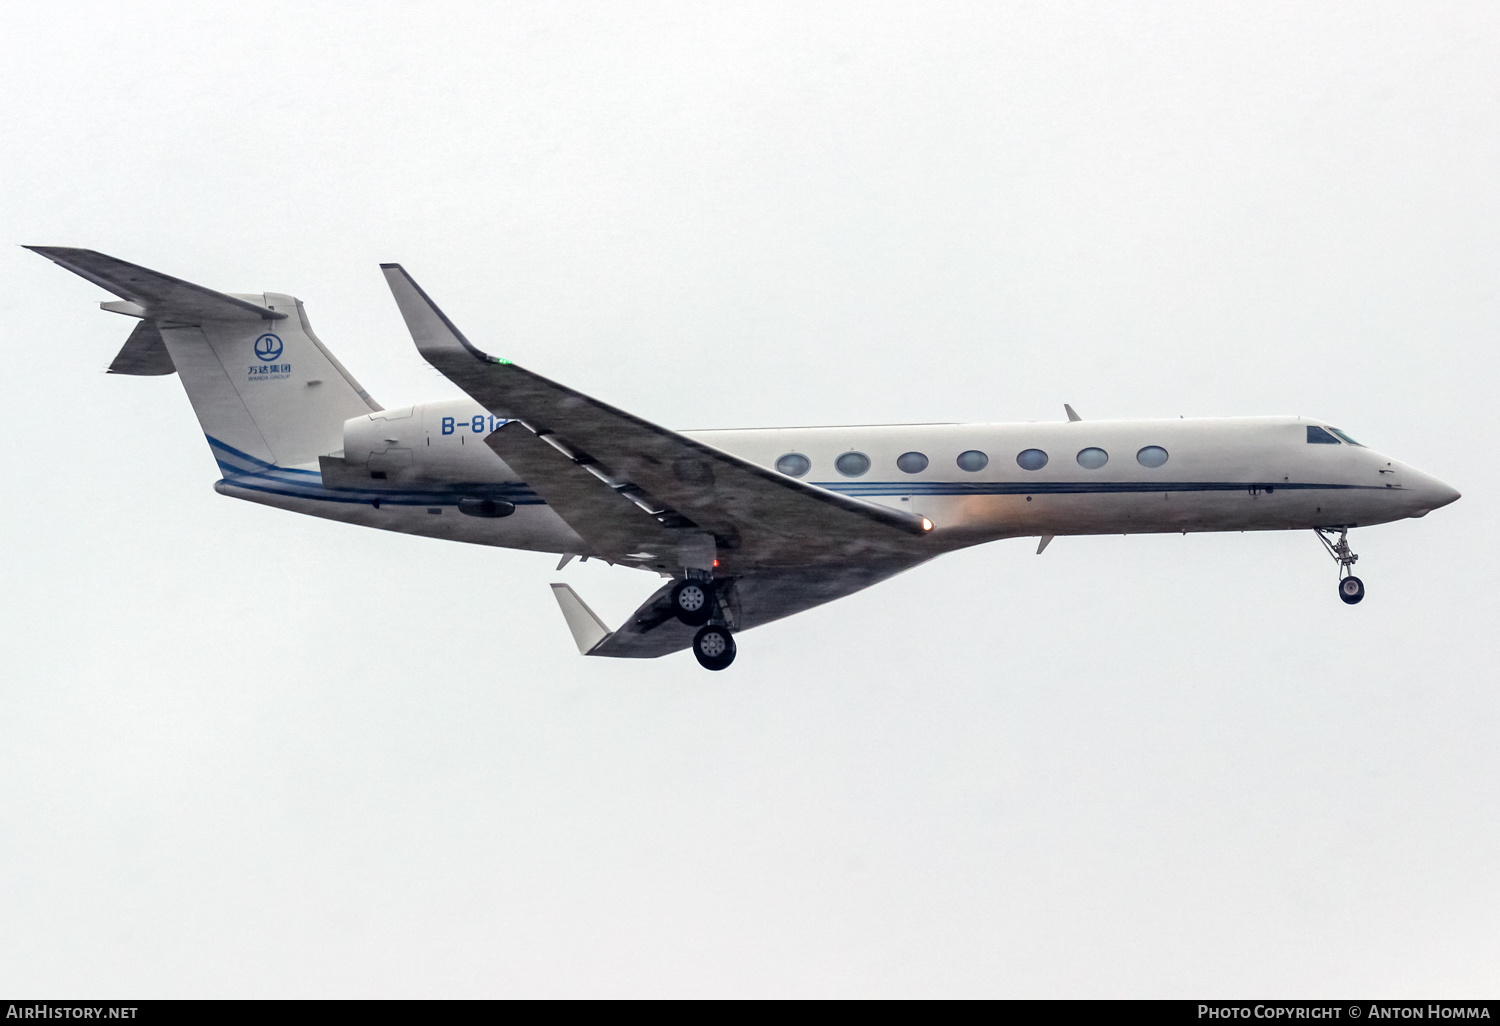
point(265, 390)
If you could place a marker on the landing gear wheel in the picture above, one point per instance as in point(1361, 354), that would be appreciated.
point(692, 602)
point(1351, 590)
point(714, 647)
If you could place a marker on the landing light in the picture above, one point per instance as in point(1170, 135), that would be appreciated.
point(926, 524)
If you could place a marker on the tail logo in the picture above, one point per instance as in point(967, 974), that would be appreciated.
point(268, 347)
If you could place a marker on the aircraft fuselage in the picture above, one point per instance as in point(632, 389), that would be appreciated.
point(407, 469)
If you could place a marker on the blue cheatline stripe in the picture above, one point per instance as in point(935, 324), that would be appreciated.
point(365, 498)
point(869, 488)
point(254, 461)
point(241, 470)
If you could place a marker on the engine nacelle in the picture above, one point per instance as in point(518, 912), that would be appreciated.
point(384, 444)
point(415, 446)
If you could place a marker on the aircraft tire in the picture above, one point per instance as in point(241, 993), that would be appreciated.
point(1351, 590)
point(692, 601)
point(714, 647)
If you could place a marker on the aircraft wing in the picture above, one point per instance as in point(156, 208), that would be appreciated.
point(757, 517)
point(749, 601)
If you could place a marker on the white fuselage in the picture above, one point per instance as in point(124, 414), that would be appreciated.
point(405, 470)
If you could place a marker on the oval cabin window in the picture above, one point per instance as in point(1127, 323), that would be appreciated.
point(1031, 459)
point(794, 464)
point(1151, 456)
point(912, 462)
point(1092, 458)
point(972, 460)
point(852, 464)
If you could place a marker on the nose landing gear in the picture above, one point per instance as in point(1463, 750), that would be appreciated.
point(1351, 588)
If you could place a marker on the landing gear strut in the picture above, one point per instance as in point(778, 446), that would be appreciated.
point(1351, 588)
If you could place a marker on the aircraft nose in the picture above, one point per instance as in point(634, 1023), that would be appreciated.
point(1432, 493)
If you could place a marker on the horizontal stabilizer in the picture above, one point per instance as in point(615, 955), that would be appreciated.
point(588, 630)
point(169, 300)
point(144, 353)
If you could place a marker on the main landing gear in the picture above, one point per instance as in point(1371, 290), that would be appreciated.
point(695, 604)
point(692, 601)
point(1351, 588)
point(714, 647)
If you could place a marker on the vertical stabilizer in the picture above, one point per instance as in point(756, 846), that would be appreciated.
point(261, 383)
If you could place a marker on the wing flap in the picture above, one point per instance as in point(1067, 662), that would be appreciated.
point(618, 527)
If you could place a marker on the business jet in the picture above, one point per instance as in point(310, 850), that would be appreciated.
point(746, 526)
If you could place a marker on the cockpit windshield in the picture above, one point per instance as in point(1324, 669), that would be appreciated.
point(1327, 436)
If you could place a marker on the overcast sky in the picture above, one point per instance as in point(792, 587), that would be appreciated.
point(246, 753)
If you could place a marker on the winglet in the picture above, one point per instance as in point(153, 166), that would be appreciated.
point(588, 630)
point(435, 335)
point(1072, 414)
